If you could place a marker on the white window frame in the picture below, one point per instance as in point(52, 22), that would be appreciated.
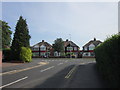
point(42, 48)
point(69, 48)
point(75, 48)
point(91, 47)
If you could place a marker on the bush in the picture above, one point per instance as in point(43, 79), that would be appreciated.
point(26, 54)
point(108, 60)
point(7, 54)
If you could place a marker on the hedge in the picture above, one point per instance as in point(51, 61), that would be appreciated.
point(25, 54)
point(108, 60)
point(6, 54)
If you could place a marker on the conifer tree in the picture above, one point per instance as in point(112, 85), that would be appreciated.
point(5, 34)
point(21, 38)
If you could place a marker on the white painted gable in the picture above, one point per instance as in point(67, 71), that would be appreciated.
point(91, 45)
point(42, 46)
point(36, 46)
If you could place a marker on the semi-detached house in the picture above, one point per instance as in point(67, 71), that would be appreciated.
point(88, 48)
point(41, 49)
point(44, 49)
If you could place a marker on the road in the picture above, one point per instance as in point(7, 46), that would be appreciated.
point(53, 73)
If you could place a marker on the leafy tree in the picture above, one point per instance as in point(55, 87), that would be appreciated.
point(5, 34)
point(21, 38)
point(58, 45)
point(26, 54)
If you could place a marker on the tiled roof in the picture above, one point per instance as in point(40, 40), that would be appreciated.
point(95, 42)
point(43, 43)
point(66, 43)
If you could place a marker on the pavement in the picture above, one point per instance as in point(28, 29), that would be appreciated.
point(52, 73)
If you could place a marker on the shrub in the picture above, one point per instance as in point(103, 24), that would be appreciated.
point(25, 54)
point(108, 59)
point(7, 54)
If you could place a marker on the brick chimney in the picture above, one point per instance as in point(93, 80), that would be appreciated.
point(66, 40)
point(94, 39)
point(42, 40)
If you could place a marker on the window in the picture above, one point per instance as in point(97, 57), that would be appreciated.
point(35, 49)
point(85, 48)
point(92, 54)
point(75, 48)
point(42, 48)
point(91, 47)
point(42, 54)
point(69, 48)
point(35, 53)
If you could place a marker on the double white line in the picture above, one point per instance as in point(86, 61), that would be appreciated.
point(70, 72)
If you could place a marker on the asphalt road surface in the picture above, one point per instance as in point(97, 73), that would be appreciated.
point(53, 73)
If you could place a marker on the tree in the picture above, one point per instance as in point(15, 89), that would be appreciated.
point(5, 33)
point(58, 45)
point(21, 38)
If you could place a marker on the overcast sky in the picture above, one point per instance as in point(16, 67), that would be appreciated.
point(50, 20)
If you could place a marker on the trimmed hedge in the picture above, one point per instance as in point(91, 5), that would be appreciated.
point(108, 60)
point(6, 54)
point(25, 54)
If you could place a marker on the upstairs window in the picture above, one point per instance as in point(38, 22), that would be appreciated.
point(75, 48)
point(85, 48)
point(35, 49)
point(91, 47)
point(69, 48)
point(43, 48)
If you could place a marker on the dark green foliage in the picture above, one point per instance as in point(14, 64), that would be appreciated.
point(58, 45)
point(6, 34)
point(7, 54)
point(21, 38)
point(108, 60)
point(26, 54)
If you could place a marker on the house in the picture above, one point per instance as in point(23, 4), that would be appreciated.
point(71, 47)
point(41, 49)
point(88, 48)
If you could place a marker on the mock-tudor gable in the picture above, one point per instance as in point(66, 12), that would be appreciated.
point(88, 48)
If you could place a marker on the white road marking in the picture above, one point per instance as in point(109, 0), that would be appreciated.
point(25, 69)
point(13, 82)
point(60, 63)
point(70, 72)
point(47, 68)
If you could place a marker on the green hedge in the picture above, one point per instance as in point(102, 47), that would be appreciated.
point(26, 54)
point(6, 54)
point(108, 60)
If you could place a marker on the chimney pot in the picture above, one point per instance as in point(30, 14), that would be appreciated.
point(94, 39)
point(67, 40)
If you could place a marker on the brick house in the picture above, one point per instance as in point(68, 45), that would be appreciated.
point(88, 48)
point(41, 49)
point(71, 47)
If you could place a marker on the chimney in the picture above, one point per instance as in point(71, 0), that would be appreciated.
point(66, 40)
point(42, 40)
point(94, 39)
